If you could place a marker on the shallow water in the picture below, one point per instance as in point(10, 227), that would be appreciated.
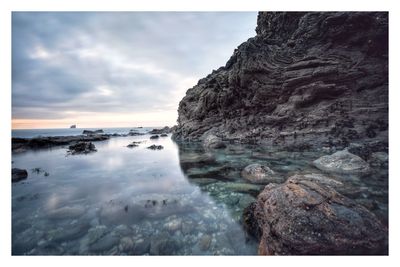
point(181, 200)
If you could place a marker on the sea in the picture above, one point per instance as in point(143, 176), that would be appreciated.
point(178, 200)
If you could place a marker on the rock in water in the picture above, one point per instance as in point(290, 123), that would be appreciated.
point(155, 147)
point(82, 148)
point(259, 174)
point(212, 141)
point(18, 174)
point(303, 217)
point(342, 162)
point(306, 78)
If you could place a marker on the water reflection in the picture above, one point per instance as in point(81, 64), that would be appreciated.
point(182, 200)
point(118, 200)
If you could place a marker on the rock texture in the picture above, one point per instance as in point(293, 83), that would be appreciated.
point(303, 216)
point(259, 174)
point(306, 79)
point(342, 162)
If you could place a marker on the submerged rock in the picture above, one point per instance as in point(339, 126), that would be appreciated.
point(18, 174)
point(213, 142)
point(342, 162)
point(259, 174)
point(154, 137)
point(82, 148)
point(155, 147)
point(379, 159)
point(67, 212)
point(302, 217)
point(133, 144)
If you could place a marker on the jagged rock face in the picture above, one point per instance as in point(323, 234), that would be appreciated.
point(315, 78)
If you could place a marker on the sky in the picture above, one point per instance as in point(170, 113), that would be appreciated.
point(120, 69)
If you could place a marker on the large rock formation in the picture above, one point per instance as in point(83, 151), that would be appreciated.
point(305, 79)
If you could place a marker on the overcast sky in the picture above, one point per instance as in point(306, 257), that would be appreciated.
point(115, 69)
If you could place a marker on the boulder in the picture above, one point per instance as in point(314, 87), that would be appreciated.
point(154, 137)
point(259, 174)
point(82, 148)
point(342, 162)
point(213, 142)
point(18, 174)
point(304, 217)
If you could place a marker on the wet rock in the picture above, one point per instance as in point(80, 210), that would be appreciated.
point(196, 160)
point(164, 246)
point(342, 162)
point(133, 144)
point(213, 142)
point(164, 130)
point(243, 188)
point(164, 135)
point(154, 137)
point(70, 233)
point(141, 247)
point(104, 243)
point(379, 159)
point(18, 174)
point(245, 201)
point(205, 242)
point(259, 174)
point(82, 148)
point(96, 233)
point(125, 244)
point(173, 225)
point(67, 212)
point(155, 147)
point(303, 217)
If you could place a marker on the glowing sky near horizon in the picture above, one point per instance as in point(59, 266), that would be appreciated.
point(115, 69)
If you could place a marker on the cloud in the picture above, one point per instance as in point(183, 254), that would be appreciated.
point(67, 63)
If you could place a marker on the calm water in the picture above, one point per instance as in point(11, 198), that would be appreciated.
point(181, 200)
point(29, 133)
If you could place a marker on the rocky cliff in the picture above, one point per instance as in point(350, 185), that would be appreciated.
point(305, 79)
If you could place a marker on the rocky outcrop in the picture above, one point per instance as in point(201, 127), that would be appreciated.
point(342, 162)
point(18, 175)
point(164, 130)
point(304, 216)
point(23, 144)
point(306, 79)
point(81, 148)
point(89, 132)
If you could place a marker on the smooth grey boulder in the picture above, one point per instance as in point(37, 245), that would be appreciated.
point(259, 174)
point(342, 162)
